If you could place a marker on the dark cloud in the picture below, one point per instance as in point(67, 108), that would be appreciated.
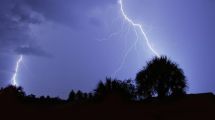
point(32, 50)
point(15, 19)
point(24, 14)
point(73, 13)
point(17, 15)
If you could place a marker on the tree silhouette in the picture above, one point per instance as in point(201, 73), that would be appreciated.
point(161, 77)
point(79, 96)
point(13, 90)
point(71, 97)
point(122, 88)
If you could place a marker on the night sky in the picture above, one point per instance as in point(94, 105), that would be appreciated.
point(73, 44)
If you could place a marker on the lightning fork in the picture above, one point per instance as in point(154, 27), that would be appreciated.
point(137, 25)
point(14, 80)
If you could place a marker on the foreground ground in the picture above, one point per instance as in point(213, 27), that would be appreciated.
point(193, 106)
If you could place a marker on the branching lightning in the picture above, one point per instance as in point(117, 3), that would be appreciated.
point(137, 25)
point(14, 78)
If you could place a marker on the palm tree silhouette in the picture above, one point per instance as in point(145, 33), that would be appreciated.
point(161, 77)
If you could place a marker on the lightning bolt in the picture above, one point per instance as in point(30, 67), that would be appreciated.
point(136, 27)
point(139, 26)
point(14, 80)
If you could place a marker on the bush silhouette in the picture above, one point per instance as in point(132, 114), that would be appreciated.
point(124, 89)
point(161, 77)
point(79, 97)
point(12, 91)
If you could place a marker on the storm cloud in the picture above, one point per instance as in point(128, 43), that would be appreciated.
point(15, 19)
